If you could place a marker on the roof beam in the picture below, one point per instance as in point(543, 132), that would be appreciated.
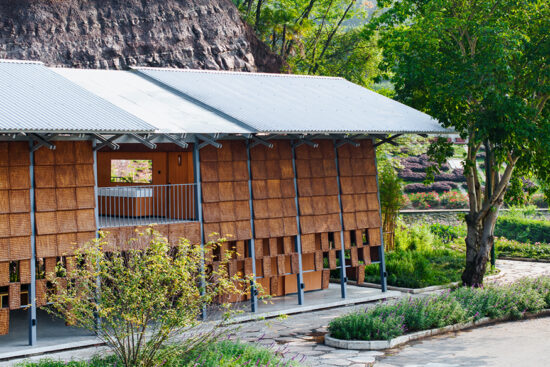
point(179, 142)
point(304, 140)
point(42, 141)
point(258, 140)
point(110, 142)
point(388, 140)
point(207, 141)
point(144, 141)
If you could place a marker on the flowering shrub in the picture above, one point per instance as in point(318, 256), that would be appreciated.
point(513, 248)
point(448, 199)
point(424, 200)
point(453, 200)
point(385, 321)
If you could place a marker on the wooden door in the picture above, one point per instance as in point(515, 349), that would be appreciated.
point(182, 197)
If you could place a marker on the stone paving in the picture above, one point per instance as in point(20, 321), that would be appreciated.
point(300, 337)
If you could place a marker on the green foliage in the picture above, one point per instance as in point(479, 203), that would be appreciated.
point(511, 248)
point(523, 229)
point(391, 199)
point(385, 321)
point(417, 238)
point(447, 233)
point(143, 296)
point(518, 194)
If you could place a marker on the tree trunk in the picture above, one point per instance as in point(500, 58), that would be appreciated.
point(479, 241)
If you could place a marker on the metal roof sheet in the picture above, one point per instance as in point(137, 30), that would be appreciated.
point(35, 99)
point(282, 103)
point(160, 107)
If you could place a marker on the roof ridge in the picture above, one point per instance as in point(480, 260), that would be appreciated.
point(16, 61)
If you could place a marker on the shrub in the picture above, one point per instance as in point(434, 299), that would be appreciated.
point(143, 296)
point(539, 201)
point(391, 201)
point(408, 175)
point(523, 229)
point(514, 248)
point(454, 200)
point(447, 233)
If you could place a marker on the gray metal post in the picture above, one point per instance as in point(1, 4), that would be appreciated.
point(251, 249)
point(32, 290)
point(197, 172)
point(343, 277)
point(383, 274)
point(96, 215)
point(300, 275)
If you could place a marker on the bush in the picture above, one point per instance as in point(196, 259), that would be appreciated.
point(523, 229)
point(385, 321)
point(447, 233)
point(512, 248)
point(454, 200)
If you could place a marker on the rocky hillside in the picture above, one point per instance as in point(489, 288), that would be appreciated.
point(199, 34)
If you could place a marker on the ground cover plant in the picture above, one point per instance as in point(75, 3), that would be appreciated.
point(511, 248)
point(386, 321)
point(523, 229)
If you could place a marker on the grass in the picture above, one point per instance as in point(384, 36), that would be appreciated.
point(386, 321)
point(226, 353)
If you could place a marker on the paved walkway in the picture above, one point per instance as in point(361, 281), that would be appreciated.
point(300, 337)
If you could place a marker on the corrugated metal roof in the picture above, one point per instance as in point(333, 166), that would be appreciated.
point(167, 111)
point(281, 103)
point(35, 99)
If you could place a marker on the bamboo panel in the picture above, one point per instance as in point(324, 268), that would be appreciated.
point(317, 169)
point(228, 230)
point(210, 192)
point(349, 221)
point(20, 225)
point(361, 202)
point(319, 205)
point(308, 243)
point(360, 274)
point(303, 168)
point(4, 321)
point(238, 150)
point(18, 153)
point(211, 212)
point(372, 202)
point(211, 231)
point(66, 221)
point(41, 289)
point(370, 167)
point(276, 227)
point(287, 171)
point(374, 237)
point(325, 245)
point(227, 211)
point(44, 176)
point(266, 267)
point(260, 209)
point(66, 199)
point(325, 279)
point(307, 224)
point(290, 226)
point(192, 231)
point(373, 219)
point(326, 147)
point(46, 223)
point(4, 225)
point(25, 271)
point(285, 151)
point(4, 201)
point(277, 286)
point(4, 178)
point(359, 184)
point(366, 255)
point(240, 170)
point(302, 152)
point(20, 248)
point(318, 186)
point(209, 154)
point(258, 153)
point(44, 157)
point(358, 166)
point(259, 189)
point(318, 260)
point(4, 249)
point(242, 210)
point(240, 249)
point(83, 152)
point(306, 205)
point(273, 170)
point(329, 168)
point(281, 265)
point(232, 268)
point(224, 153)
point(64, 152)
point(66, 244)
point(359, 237)
point(258, 170)
point(370, 184)
point(85, 198)
point(19, 177)
point(333, 207)
point(332, 259)
point(83, 238)
point(289, 207)
point(362, 219)
point(346, 185)
point(308, 262)
point(288, 245)
point(295, 263)
point(315, 153)
point(65, 176)
point(305, 187)
point(50, 264)
point(84, 175)
point(353, 257)
point(275, 207)
point(261, 227)
point(273, 188)
point(4, 154)
point(331, 186)
point(225, 171)
point(20, 201)
point(85, 220)
point(321, 223)
point(243, 229)
point(272, 154)
point(240, 190)
point(345, 167)
point(259, 249)
point(4, 274)
point(209, 172)
point(15, 296)
point(287, 189)
point(46, 199)
point(337, 240)
point(347, 240)
point(248, 266)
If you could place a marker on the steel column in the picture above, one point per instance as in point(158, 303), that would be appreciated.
point(197, 173)
point(383, 274)
point(96, 216)
point(32, 289)
point(251, 244)
point(300, 275)
point(343, 277)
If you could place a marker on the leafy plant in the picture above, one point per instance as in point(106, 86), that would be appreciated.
point(391, 201)
point(523, 229)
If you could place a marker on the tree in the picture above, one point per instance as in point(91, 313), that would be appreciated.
point(391, 199)
point(481, 68)
point(143, 296)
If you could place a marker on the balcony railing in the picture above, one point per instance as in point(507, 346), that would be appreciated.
point(146, 204)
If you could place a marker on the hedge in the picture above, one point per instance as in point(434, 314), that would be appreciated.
point(523, 229)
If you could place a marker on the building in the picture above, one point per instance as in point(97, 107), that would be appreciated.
point(282, 165)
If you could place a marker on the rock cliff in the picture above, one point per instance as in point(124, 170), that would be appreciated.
point(198, 34)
